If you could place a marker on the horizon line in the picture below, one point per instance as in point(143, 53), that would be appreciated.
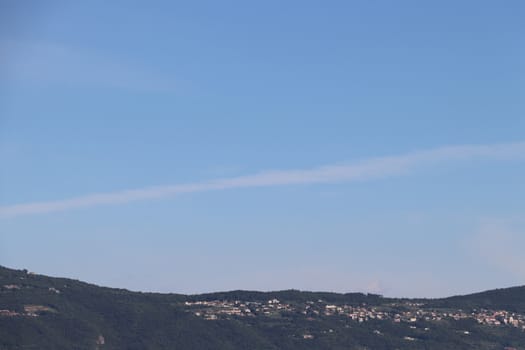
point(196, 294)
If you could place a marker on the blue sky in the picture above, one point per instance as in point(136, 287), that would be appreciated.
point(193, 147)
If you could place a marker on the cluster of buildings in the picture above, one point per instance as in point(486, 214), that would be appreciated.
point(501, 317)
point(416, 313)
point(9, 313)
point(29, 311)
point(213, 310)
point(482, 316)
point(17, 287)
point(11, 286)
point(400, 312)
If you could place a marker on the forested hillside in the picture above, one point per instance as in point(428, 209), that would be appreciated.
point(39, 312)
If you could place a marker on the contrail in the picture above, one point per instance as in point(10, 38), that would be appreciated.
point(371, 168)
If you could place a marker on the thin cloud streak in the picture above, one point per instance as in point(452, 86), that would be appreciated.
point(368, 169)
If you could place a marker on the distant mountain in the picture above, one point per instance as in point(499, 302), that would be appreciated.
point(40, 312)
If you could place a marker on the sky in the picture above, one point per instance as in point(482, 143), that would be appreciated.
point(191, 147)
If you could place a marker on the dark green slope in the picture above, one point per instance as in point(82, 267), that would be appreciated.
point(512, 299)
point(70, 314)
point(80, 313)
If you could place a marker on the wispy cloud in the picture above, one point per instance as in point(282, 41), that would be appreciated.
point(372, 168)
point(52, 64)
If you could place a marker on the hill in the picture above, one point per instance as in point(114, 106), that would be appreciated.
point(512, 299)
point(40, 312)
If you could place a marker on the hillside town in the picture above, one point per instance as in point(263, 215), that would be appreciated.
point(398, 312)
point(407, 312)
point(288, 316)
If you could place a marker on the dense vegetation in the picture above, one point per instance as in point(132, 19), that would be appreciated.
point(512, 299)
point(75, 315)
